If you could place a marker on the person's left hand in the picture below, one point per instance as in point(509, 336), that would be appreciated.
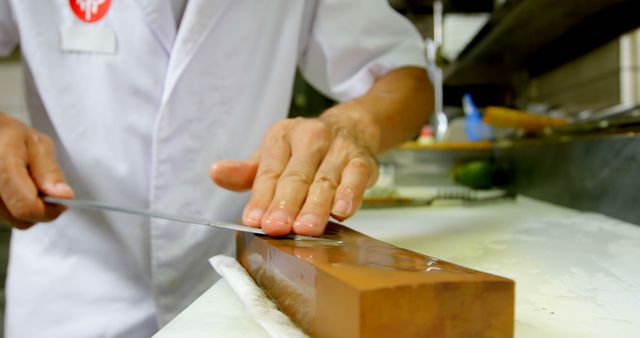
point(305, 170)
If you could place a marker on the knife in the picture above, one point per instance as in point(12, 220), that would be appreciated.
point(94, 205)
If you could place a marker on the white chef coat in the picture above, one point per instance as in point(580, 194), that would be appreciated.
point(140, 128)
point(177, 8)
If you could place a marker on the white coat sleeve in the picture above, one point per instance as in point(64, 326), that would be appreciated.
point(351, 43)
point(8, 30)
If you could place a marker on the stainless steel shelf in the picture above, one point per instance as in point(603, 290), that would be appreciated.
point(537, 35)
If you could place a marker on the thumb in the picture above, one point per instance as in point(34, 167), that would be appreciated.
point(44, 168)
point(234, 175)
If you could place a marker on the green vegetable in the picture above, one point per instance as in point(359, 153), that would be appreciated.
point(475, 174)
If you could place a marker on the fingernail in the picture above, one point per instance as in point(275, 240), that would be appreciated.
point(278, 219)
point(213, 167)
point(254, 217)
point(307, 222)
point(60, 188)
point(341, 207)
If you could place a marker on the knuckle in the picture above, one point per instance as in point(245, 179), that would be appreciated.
point(24, 208)
point(51, 173)
point(342, 142)
point(317, 130)
point(257, 201)
point(360, 164)
point(280, 127)
point(285, 203)
point(349, 147)
point(49, 169)
point(312, 147)
point(349, 190)
point(41, 139)
point(316, 205)
point(296, 176)
point(44, 144)
point(23, 211)
point(325, 181)
point(269, 172)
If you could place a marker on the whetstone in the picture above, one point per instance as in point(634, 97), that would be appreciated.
point(367, 288)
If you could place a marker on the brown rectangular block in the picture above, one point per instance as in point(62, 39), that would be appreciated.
point(368, 288)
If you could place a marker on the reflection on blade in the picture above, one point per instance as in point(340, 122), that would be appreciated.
point(93, 205)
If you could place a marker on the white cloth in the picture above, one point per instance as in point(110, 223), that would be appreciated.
point(218, 312)
point(177, 7)
point(140, 127)
point(261, 308)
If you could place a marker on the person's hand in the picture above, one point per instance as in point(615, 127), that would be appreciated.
point(305, 171)
point(308, 169)
point(28, 169)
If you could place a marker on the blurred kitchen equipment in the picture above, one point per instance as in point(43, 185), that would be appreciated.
point(619, 110)
point(475, 127)
point(511, 118)
point(439, 119)
point(462, 194)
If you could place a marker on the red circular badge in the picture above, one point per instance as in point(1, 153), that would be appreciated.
point(90, 10)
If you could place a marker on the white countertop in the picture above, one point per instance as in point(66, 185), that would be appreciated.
point(577, 274)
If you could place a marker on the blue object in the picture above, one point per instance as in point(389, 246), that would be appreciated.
point(474, 127)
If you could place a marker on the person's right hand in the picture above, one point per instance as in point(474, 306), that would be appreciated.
point(28, 170)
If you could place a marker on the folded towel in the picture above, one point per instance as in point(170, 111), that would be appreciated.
point(262, 309)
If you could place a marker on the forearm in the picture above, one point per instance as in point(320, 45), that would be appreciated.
point(391, 112)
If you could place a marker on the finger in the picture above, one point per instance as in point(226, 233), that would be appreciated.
point(8, 219)
point(291, 193)
point(309, 143)
point(52, 211)
point(314, 214)
point(44, 168)
point(234, 175)
point(19, 193)
point(359, 173)
point(274, 155)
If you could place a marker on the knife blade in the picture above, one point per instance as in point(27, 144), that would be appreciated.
point(95, 205)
